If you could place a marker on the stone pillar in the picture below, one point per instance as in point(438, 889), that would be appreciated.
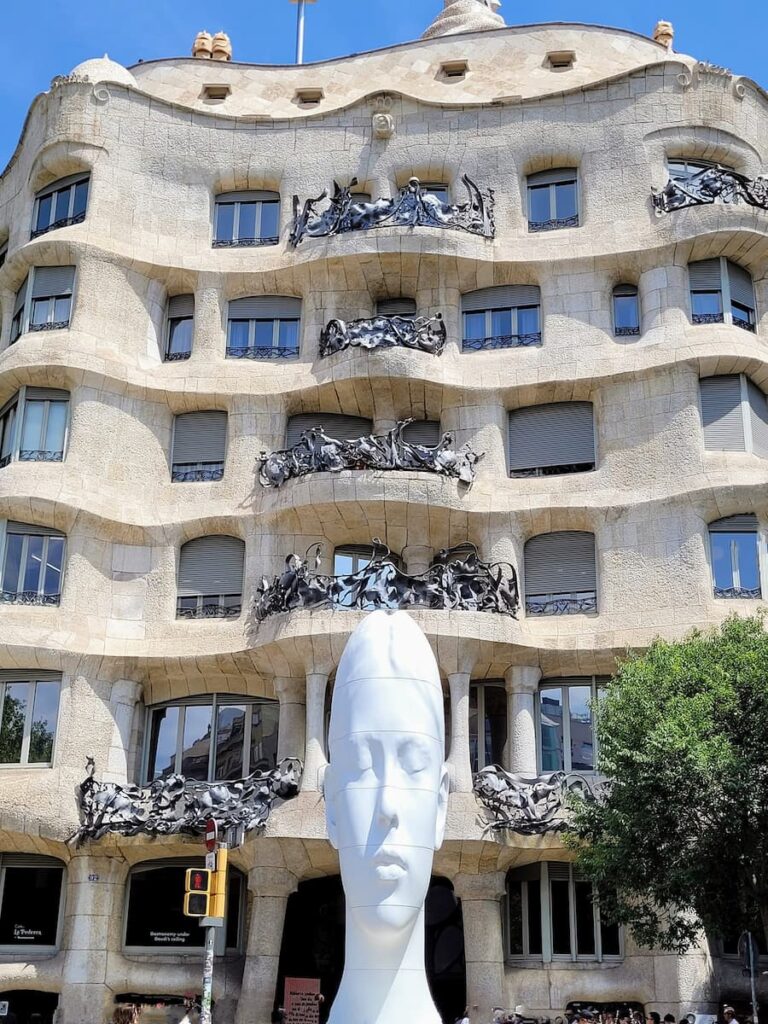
point(480, 897)
point(522, 683)
point(314, 758)
point(459, 764)
point(92, 924)
point(271, 888)
point(122, 705)
point(291, 734)
point(210, 313)
point(417, 558)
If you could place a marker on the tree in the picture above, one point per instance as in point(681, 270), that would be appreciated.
point(681, 838)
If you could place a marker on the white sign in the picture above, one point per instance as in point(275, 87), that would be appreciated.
point(210, 861)
point(3, 1009)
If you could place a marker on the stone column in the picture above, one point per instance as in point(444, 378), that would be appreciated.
point(210, 312)
point(459, 764)
point(291, 734)
point(522, 683)
point(271, 888)
point(92, 923)
point(314, 758)
point(417, 558)
point(122, 705)
point(480, 897)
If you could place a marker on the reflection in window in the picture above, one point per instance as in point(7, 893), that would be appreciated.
point(552, 916)
point(567, 740)
point(218, 739)
point(31, 902)
point(33, 560)
point(626, 311)
point(487, 724)
point(553, 200)
point(61, 204)
point(736, 554)
point(347, 561)
point(180, 327)
point(247, 219)
point(28, 716)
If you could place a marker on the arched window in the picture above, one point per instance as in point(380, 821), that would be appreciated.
point(553, 199)
point(210, 578)
point(567, 740)
point(734, 414)
point(560, 574)
point(738, 557)
point(31, 903)
point(211, 738)
point(682, 169)
point(721, 292)
point(507, 316)
point(33, 564)
point(61, 203)
point(180, 321)
point(626, 311)
point(545, 440)
point(246, 219)
point(263, 327)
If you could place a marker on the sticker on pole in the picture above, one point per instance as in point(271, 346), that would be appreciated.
point(211, 835)
point(3, 1009)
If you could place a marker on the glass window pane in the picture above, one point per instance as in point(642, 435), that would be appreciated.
point(439, 192)
point(180, 335)
point(238, 334)
point(534, 917)
point(551, 716)
point(269, 217)
point(585, 921)
point(30, 911)
point(40, 309)
point(44, 715)
point(162, 743)
point(501, 322)
point(33, 565)
point(225, 221)
point(743, 314)
point(230, 739)
point(15, 707)
point(264, 726)
point(625, 312)
point(6, 443)
point(561, 917)
point(247, 225)
point(706, 302)
point(565, 200)
point(196, 742)
point(56, 426)
point(582, 743)
point(44, 207)
point(609, 939)
point(342, 564)
point(156, 910)
point(81, 198)
point(515, 905)
point(12, 567)
point(495, 723)
point(538, 202)
point(289, 334)
point(61, 309)
point(264, 334)
point(745, 552)
point(528, 320)
point(473, 737)
point(62, 204)
point(32, 429)
point(53, 565)
point(474, 325)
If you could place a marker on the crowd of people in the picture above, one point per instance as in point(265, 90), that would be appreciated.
point(617, 1015)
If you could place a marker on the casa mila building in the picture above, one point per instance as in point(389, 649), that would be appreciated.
point(472, 326)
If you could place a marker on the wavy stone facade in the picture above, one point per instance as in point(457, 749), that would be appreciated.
point(158, 150)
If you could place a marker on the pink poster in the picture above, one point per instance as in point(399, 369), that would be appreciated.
point(302, 1001)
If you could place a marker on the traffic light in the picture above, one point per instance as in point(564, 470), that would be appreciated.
point(197, 896)
point(219, 890)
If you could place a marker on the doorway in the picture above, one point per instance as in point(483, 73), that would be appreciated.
point(23, 1004)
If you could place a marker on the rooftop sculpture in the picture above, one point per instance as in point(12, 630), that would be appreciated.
point(411, 207)
point(711, 185)
point(425, 334)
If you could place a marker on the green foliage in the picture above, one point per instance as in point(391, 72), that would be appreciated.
point(682, 838)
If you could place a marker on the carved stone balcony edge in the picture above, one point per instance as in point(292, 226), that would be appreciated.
point(531, 805)
point(708, 186)
point(316, 452)
point(177, 806)
point(411, 207)
point(457, 579)
point(425, 334)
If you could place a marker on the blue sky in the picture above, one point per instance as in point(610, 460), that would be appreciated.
point(49, 37)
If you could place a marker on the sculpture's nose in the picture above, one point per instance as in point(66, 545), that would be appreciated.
point(388, 813)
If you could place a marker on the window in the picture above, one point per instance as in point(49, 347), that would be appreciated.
point(738, 557)
point(155, 921)
point(44, 301)
point(396, 307)
point(487, 724)
point(438, 189)
point(682, 169)
point(553, 200)
point(33, 426)
point(567, 740)
point(551, 915)
point(505, 317)
point(721, 292)
point(545, 440)
point(734, 413)
point(199, 446)
point(33, 561)
point(341, 428)
point(264, 327)
point(211, 578)
point(423, 432)
point(560, 60)
point(560, 574)
point(62, 203)
point(246, 219)
point(29, 709)
point(180, 327)
point(626, 311)
point(31, 903)
point(211, 739)
point(454, 69)
point(308, 97)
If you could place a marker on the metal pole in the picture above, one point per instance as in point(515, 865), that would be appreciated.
point(205, 1006)
point(752, 972)
point(300, 33)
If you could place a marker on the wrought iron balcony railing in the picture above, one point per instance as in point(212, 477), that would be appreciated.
point(577, 467)
point(708, 318)
point(63, 222)
point(262, 352)
point(209, 606)
point(40, 455)
point(29, 597)
point(424, 334)
point(244, 243)
point(501, 341)
point(711, 185)
point(626, 332)
point(561, 604)
point(175, 357)
point(55, 325)
point(554, 224)
point(532, 805)
point(739, 593)
point(197, 472)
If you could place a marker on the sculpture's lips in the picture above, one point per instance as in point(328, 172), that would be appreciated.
point(389, 865)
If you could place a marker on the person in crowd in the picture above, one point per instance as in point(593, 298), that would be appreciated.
point(729, 1015)
point(669, 1018)
point(654, 1018)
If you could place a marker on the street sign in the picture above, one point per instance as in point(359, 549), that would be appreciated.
point(210, 861)
point(211, 835)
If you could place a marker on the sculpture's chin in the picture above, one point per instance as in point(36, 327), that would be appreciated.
point(385, 918)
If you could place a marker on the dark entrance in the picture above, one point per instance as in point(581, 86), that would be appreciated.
point(313, 943)
point(23, 1004)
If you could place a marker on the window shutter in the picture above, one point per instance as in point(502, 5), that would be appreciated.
point(253, 196)
point(555, 177)
point(625, 289)
point(265, 307)
point(200, 437)
point(758, 411)
point(561, 434)
point(29, 860)
point(211, 565)
point(71, 179)
point(560, 563)
point(426, 432)
point(746, 523)
point(341, 428)
point(396, 307)
point(721, 413)
point(741, 285)
point(502, 297)
point(30, 530)
point(50, 281)
point(34, 675)
point(49, 394)
point(21, 295)
point(705, 276)
point(181, 306)
point(559, 871)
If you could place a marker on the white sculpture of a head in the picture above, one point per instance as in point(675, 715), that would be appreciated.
point(386, 792)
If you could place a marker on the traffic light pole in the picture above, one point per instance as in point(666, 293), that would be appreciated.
point(205, 1006)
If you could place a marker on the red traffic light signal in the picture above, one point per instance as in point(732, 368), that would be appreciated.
point(198, 880)
point(198, 892)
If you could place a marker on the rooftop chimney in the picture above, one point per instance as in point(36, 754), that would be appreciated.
point(222, 47)
point(203, 45)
